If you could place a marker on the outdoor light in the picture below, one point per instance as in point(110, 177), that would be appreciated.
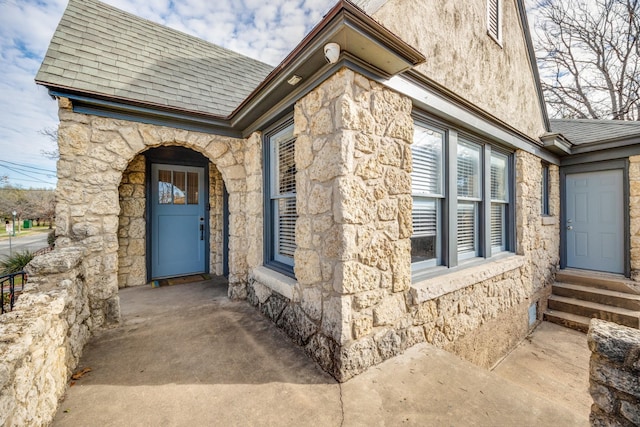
point(294, 80)
point(332, 52)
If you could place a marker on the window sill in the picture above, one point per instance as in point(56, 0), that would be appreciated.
point(275, 281)
point(549, 220)
point(464, 276)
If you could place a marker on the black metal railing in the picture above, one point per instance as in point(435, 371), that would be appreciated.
point(11, 285)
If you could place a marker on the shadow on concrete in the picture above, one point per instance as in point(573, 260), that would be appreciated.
point(193, 334)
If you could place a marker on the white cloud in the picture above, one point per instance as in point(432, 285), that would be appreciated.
point(266, 31)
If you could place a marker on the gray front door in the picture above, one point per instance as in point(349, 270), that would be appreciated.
point(595, 221)
point(178, 221)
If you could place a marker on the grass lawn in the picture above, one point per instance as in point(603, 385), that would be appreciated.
point(25, 232)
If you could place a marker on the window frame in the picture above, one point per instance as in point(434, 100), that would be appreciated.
point(272, 258)
point(438, 198)
point(544, 200)
point(448, 256)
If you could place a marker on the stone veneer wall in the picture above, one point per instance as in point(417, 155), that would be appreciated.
point(352, 304)
point(95, 153)
point(216, 226)
point(614, 374)
point(41, 341)
point(132, 231)
point(634, 216)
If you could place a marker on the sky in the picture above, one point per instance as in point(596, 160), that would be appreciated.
point(264, 30)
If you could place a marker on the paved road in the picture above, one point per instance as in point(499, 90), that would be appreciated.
point(32, 242)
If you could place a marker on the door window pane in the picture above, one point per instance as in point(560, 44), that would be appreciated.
point(165, 187)
point(179, 188)
point(192, 188)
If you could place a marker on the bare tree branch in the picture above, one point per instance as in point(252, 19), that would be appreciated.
point(589, 55)
point(52, 134)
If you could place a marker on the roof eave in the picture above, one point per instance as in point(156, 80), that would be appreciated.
point(366, 46)
point(522, 11)
point(557, 144)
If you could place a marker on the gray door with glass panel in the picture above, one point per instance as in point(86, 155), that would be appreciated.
point(595, 221)
point(178, 221)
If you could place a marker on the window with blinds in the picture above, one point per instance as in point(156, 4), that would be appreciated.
point(494, 18)
point(461, 190)
point(499, 200)
point(469, 181)
point(283, 195)
point(427, 188)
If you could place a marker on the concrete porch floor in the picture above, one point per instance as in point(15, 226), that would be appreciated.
point(187, 356)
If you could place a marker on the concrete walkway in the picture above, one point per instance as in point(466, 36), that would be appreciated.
point(187, 356)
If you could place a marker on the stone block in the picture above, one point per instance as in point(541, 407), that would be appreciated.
point(623, 380)
point(602, 397)
point(355, 357)
point(323, 350)
point(389, 311)
point(296, 324)
point(307, 267)
point(631, 411)
point(613, 342)
point(352, 277)
point(312, 302)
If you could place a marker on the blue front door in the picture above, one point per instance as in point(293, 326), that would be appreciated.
point(178, 221)
point(595, 221)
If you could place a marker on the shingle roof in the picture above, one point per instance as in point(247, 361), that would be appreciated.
point(584, 131)
point(102, 50)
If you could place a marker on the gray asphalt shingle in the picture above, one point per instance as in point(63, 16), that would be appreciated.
point(113, 52)
point(585, 131)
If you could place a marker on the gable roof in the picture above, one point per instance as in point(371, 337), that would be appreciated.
point(587, 131)
point(101, 50)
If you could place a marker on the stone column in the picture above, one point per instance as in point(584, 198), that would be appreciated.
point(354, 206)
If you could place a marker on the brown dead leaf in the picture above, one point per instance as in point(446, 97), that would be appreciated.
point(79, 374)
point(72, 383)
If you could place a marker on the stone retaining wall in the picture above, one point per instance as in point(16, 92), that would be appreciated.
point(614, 374)
point(42, 339)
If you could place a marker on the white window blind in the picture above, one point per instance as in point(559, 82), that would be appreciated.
point(287, 216)
point(469, 170)
point(427, 176)
point(286, 165)
point(497, 225)
point(425, 219)
point(499, 177)
point(466, 227)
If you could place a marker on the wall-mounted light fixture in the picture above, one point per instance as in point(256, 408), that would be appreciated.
point(294, 80)
point(332, 52)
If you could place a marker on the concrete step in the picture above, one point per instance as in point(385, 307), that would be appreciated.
point(568, 320)
point(621, 316)
point(600, 296)
point(598, 279)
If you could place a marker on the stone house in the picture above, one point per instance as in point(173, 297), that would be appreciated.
point(394, 180)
